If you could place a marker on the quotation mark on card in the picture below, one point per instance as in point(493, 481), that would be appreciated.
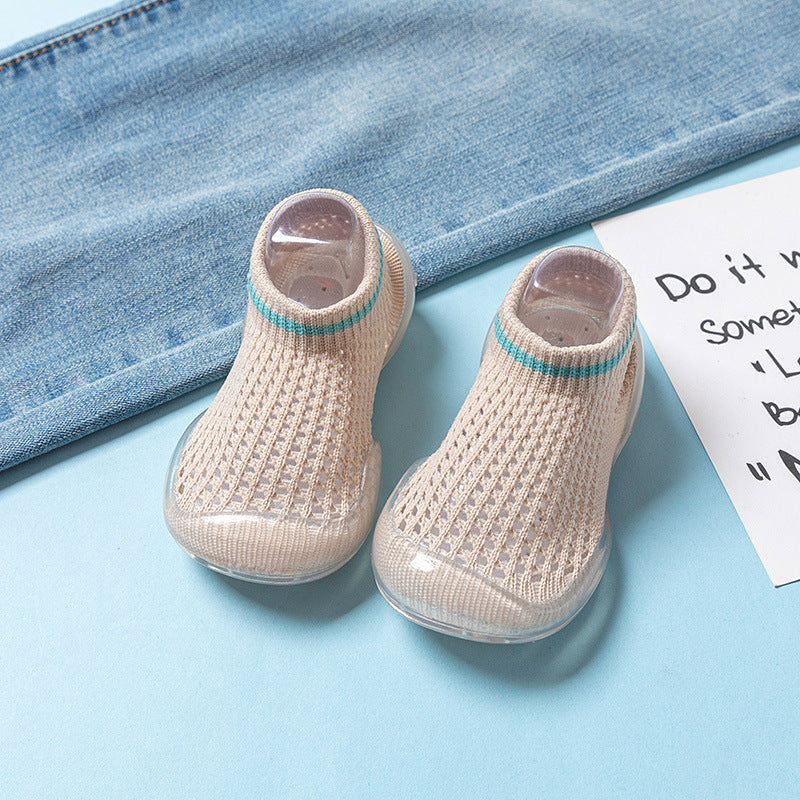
point(759, 472)
point(792, 463)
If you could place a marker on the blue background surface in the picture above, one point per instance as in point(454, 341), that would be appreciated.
point(127, 670)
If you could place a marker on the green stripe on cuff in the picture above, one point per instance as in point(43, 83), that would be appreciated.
point(588, 371)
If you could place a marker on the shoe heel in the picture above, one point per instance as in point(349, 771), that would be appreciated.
point(410, 289)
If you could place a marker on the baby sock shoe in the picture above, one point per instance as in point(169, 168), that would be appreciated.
point(278, 480)
point(502, 534)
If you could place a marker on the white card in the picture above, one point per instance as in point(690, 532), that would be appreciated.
point(717, 276)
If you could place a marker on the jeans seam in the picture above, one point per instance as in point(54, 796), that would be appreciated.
point(82, 34)
point(609, 170)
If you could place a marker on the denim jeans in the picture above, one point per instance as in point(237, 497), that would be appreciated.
point(141, 149)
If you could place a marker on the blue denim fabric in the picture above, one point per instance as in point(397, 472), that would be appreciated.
point(140, 151)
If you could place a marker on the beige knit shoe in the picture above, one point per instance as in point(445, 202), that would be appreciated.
point(502, 534)
point(278, 481)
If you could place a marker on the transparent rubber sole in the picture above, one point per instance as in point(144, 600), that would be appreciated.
point(274, 580)
point(437, 593)
point(283, 549)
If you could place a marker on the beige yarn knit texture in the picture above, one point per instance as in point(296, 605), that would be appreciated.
point(500, 534)
point(278, 481)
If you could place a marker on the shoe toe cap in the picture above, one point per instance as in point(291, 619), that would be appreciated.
point(276, 548)
point(451, 597)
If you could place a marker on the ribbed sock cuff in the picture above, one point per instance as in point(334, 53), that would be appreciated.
point(580, 361)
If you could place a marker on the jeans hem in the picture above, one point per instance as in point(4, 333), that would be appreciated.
point(29, 49)
point(108, 400)
point(667, 165)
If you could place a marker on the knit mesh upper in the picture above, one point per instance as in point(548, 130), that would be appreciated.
point(290, 430)
point(516, 491)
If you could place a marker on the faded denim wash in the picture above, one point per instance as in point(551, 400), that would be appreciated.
point(141, 149)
